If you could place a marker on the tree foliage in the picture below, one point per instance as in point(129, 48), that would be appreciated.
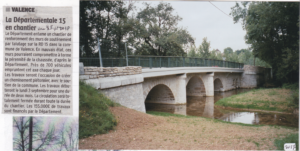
point(273, 32)
point(228, 50)
point(214, 54)
point(193, 52)
point(204, 48)
point(156, 32)
point(107, 20)
point(152, 31)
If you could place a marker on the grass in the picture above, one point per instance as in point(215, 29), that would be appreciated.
point(168, 114)
point(292, 86)
point(294, 99)
point(94, 115)
point(256, 143)
point(279, 99)
point(292, 138)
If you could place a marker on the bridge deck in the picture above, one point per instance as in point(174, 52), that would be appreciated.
point(156, 72)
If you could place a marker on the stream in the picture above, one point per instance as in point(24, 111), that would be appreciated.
point(204, 107)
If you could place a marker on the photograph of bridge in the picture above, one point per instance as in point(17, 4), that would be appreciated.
point(188, 75)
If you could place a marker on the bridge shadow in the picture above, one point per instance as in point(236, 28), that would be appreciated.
point(161, 94)
point(195, 87)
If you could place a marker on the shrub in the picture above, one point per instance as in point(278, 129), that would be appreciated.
point(292, 86)
point(94, 114)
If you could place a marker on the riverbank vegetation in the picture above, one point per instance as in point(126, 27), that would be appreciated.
point(276, 99)
point(94, 115)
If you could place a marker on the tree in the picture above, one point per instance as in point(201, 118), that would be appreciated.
point(228, 50)
point(214, 54)
point(230, 55)
point(204, 48)
point(240, 51)
point(156, 32)
point(86, 40)
point(107, 20)
point(69, 136)
point(44, 136)
point(244, 56)
point(273, 32)
point(192, 52)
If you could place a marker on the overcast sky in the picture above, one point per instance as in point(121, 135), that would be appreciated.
point(202, 19)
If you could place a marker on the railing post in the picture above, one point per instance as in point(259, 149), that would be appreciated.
point(150, 61)
point(168, 61)
point(139, 61)
point(160, 62)
point(183, 61)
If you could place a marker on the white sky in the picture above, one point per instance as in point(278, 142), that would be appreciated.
point(202, 19)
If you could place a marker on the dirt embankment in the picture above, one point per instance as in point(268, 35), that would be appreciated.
point(136, 130)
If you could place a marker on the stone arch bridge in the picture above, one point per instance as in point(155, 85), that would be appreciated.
point(133, 86)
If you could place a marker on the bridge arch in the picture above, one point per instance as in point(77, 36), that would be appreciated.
point(195, 87)
point(160, 93)
point(218, 85)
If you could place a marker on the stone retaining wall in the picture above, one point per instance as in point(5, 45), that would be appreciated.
point(256, 69)
point(255, 76)
point(101, 72)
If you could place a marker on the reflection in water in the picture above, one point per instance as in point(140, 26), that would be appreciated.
point(204, 107)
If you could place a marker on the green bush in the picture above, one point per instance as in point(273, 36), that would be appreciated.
point(295, 98)
point(292, 86)
point(94, 114)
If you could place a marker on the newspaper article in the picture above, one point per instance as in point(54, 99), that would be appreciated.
point(39, 68)
point(37, 77)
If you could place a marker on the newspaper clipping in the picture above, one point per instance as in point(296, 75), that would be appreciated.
point(37, 68)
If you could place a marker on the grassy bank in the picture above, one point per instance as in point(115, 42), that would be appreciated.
point(94, 114)
point(277, 99)
point(290, 138)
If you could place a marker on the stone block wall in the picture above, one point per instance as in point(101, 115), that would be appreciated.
point(254, 69)
point(102, 72)
point(255, 76)
point(229, 81)
point(130, 96)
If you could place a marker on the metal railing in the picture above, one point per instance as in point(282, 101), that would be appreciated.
point(160, 62)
